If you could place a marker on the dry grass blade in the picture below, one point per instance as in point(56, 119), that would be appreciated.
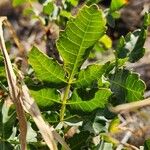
point(31, 107)
point(47, 132)
point(130, 106)
point(14, 90)
point(21, 52)
point(22, 99)
point(14, 35)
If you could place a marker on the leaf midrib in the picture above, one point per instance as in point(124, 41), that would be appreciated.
point(74, 67)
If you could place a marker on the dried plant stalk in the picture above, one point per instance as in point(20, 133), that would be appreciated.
point(130, 106)
point(14, 90)
point(22, 99)
point(47, 131)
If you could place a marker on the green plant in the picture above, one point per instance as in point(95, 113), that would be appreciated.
point(74, 46)
point(73, 96)
point(83, 89)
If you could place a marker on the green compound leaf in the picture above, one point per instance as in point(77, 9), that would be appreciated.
point(80, 34)
point(132, 44)
point(46, 69)
point(46, 97)
point(87, 77)
point(99, 100)
point(127, 86)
